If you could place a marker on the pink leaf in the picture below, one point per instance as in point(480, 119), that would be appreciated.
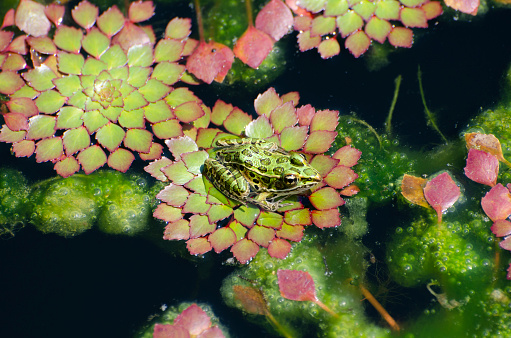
point(31, 19)
point(275, 19)
point(441, 193)
point(210, 61)
point(166, 331)
point(194, 319)
point(482, 167)
point(279, 248)
point(506, 243)
point(253, 47)
point(296, 285)
point(497, 203)
point(244, 250)
point(464, 6)
point(501, 228)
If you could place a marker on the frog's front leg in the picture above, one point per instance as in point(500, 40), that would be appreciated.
point(227, 180)
point(263, 200)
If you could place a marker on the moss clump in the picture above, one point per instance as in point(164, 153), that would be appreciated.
point(14, 193)
point(457, 254)
point(382, 161)
point(334, 284)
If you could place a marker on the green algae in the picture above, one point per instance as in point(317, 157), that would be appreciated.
point(14, 193)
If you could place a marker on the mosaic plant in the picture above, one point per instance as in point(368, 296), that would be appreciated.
point(94, 94)
point(192, 206)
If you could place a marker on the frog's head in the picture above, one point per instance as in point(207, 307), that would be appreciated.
point(300, 175)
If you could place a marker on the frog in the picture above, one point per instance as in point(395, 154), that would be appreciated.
point(257, 171)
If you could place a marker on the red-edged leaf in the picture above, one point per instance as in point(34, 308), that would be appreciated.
point(341, 177)
point(16, 121)
point(319, 141)
point(326, 198)
point(177, 230)
point(266, 102)
point(432, 9)
point(67, 167)
point(283, 116)
point(441, 193)
point(307, 42)
point(198, 246)
point(329, 48)
point(121, 160)
point(24, 148)
point(5, 39)
point(401, 37)
point(482, 167)
point(166, 331)
point(167, 213)
point(140, 11)
point(506, 244)
point(259, 128)
point(347, 156)
point(10, 82)
point(324, 120)
point(497, 203)
point(244, 250)
point(464, 6)
point(92, 158)
point(131, 35)
point(8, 18)
point(293, 138)
point(326, 218)
point(323, 164)
point(413, 17)
point(178, 28)
point(291, 232)
point(357, 43)
point(279, 248)
point(486, 142)
point(22, 105)
point(111, 21)
point(296, 285)
point(236, 121)
point(49, 149)
point(501, 228)
point(194, 319)
point(261, 235)
point(221, 239)
point(253, 47)
point(209, 61)
point(188, 112)
point(31, 19)
point(55, 13)
point(275, 19)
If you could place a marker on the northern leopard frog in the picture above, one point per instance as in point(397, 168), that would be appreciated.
point(260, 172)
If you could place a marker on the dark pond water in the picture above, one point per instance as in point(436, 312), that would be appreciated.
point(97, 285)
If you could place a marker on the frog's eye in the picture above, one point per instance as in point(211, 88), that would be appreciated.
point(290, 179)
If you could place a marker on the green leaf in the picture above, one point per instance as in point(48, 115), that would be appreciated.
point(325, 120)
point(85, 14)
point(168, 72)
point(283, 116)
point(221, 239)
point(200, 226)
point(67, 166)
point(244, 250)
point(132, 119)
point(40, 78)
point(14, 62)
point(75, 140)
point(181, 95)
point(174, 195)
point(41, 126)
point(297, 217)
point(93, 120)
point(114, 57)
point(177, 173)
point(413, 17)
point(42, 44)
point(267, 101)
point(168, 50)
point(24, 91)
point(322, 25)
point(270, 220)
point(157, 112)
point(261, 235)
point(133, 101)
point(68, 85)
point(121, 160)
point(388, 10)
point(196, 204)
point(313, 6)
point(340, 177)
point(48, 149)
point(188, 112)
point(112, 113)
point(95, 43)
point(181, 145)
point(329, 48)
point(365, 9)
point(236, 121)
point(238, 229)
point(292, 232)
point(401, 37)
point(140, 55)
point(323, 164)
point(349, 23)
point(93, 66)
point(336, 7)
point(167, 213)
point(326, 198)
point(138, 76)
point(154, 90)
point(319, 142)
point(167, 129)
point(177, 230)
point(70, 63)
point(110, 136)
point(259, 128)
point(91, 158)
point(10, 82)
point(69, 117)
point(293, 138)
point(326, 218)
point(378, 29)
point(218, 212)
point(50, 101)
point(357, 43)
point(138, 140)
point(178, 28)
point(68, 39)
point(195, 160)
point(111, 21)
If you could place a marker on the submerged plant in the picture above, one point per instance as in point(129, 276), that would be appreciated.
point(301, 129)
point(91, 92)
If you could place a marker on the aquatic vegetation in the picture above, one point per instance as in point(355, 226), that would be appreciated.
point(14, 196)
point(301, 129)
point(89, 92)
point(185, 320)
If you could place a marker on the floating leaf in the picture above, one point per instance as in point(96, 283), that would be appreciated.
point(464, 6)
point(413, 17)
point(412, 188)
point(251, 299)
point(329, 48)
point(120, 160)
point(322, 25)
point(253, 47)
point(349, 23)
point(401, 36)
point(340, 177)
point(95, 43)
point(279, 248)
point(275, 19)
point(111, 21)
point(441, 193)
point(140, 11)
point(221, 239)
point(244, 250)
point(24, 148)
point(501, 228)
point(358, 43)
point(482, 167)
point(92, 158)
point(326, 218)
point(326, 198)
point(40, 78)
point(41, 126)
point(75, 140)
point(10, 82)
point(210, 61)
point(378, 29)
point(487, 143)
point(42, 44)
point(85, 14)
point(319, 141)
point(178, 28)
point(497, 203)
point(68, 38)
point(49, 149)
point(31, 19)
point(307, 42)
point(67, 167)
point(16, 121)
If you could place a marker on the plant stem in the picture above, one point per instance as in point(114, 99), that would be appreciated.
point(277, 325)
point(248, 7)
point(388, 124)
point(369, 127)
point(326, 308)
point(393, 325)
point(429, 115)
point(199, 20)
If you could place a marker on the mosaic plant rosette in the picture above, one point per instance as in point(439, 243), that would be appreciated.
point(95, 93)
point(321, 22)
point(198, 213)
